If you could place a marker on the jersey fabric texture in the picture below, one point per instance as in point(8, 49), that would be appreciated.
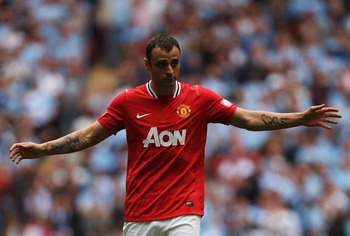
point(166, 138)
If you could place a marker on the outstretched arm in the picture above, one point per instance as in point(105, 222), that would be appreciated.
point(72, 142)
point(262, 120)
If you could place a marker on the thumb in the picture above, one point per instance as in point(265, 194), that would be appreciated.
point(317, 107)
point(16, 145)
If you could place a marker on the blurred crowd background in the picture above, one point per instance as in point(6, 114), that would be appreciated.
point(63, 61)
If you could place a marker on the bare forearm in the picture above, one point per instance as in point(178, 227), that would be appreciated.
point(273, 121)
point(73, 142)
point(77, 140)
point(264, 120)
point(318, 115)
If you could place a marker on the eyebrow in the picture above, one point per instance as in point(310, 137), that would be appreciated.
point(164, 60)
point(172, 59)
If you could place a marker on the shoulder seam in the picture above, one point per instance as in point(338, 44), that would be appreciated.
point(197, 87)
point(126, 94)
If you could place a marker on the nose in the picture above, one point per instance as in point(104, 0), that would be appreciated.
point(170, 70)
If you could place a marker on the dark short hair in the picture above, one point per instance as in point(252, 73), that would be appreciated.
point(163, 41)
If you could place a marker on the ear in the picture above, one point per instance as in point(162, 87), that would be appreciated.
point(147, 64)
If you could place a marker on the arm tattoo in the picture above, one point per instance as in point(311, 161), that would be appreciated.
point(70, 143)
point(274, 121)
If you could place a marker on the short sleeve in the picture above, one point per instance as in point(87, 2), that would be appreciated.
point(218, 109)
point(113, 118)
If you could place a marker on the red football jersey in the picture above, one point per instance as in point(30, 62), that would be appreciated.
point(166, 138)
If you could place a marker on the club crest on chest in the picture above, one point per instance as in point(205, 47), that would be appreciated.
point(183, 110)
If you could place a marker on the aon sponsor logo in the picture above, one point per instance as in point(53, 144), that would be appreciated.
point(165, 138)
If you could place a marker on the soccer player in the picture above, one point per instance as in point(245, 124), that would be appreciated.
point(166, 125)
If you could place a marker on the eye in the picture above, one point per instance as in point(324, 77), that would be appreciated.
point(161, 64)
point(174, 63)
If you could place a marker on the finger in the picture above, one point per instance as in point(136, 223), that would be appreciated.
point(14, 153)
point(16, 146)
point(326, 126)
point(330, 109)
point(14, 156)
point(13, 147)
point(335, 115)
point(331, 121)
point(317, 107)
point(19, 159)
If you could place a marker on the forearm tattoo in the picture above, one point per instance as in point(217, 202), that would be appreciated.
point(71, 143)
point(275, 121)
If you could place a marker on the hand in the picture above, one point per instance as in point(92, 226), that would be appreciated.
point(320, 115)
point(28, 150)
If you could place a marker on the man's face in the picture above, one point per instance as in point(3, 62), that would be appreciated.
point(164, 68)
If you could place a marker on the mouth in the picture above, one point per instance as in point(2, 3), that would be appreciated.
point(171, 79)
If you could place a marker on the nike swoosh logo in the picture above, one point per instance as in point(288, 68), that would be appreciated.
point(138, 116)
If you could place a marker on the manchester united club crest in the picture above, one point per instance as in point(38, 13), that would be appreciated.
point(183, 110)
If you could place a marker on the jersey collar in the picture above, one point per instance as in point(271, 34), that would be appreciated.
point(153, 94)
